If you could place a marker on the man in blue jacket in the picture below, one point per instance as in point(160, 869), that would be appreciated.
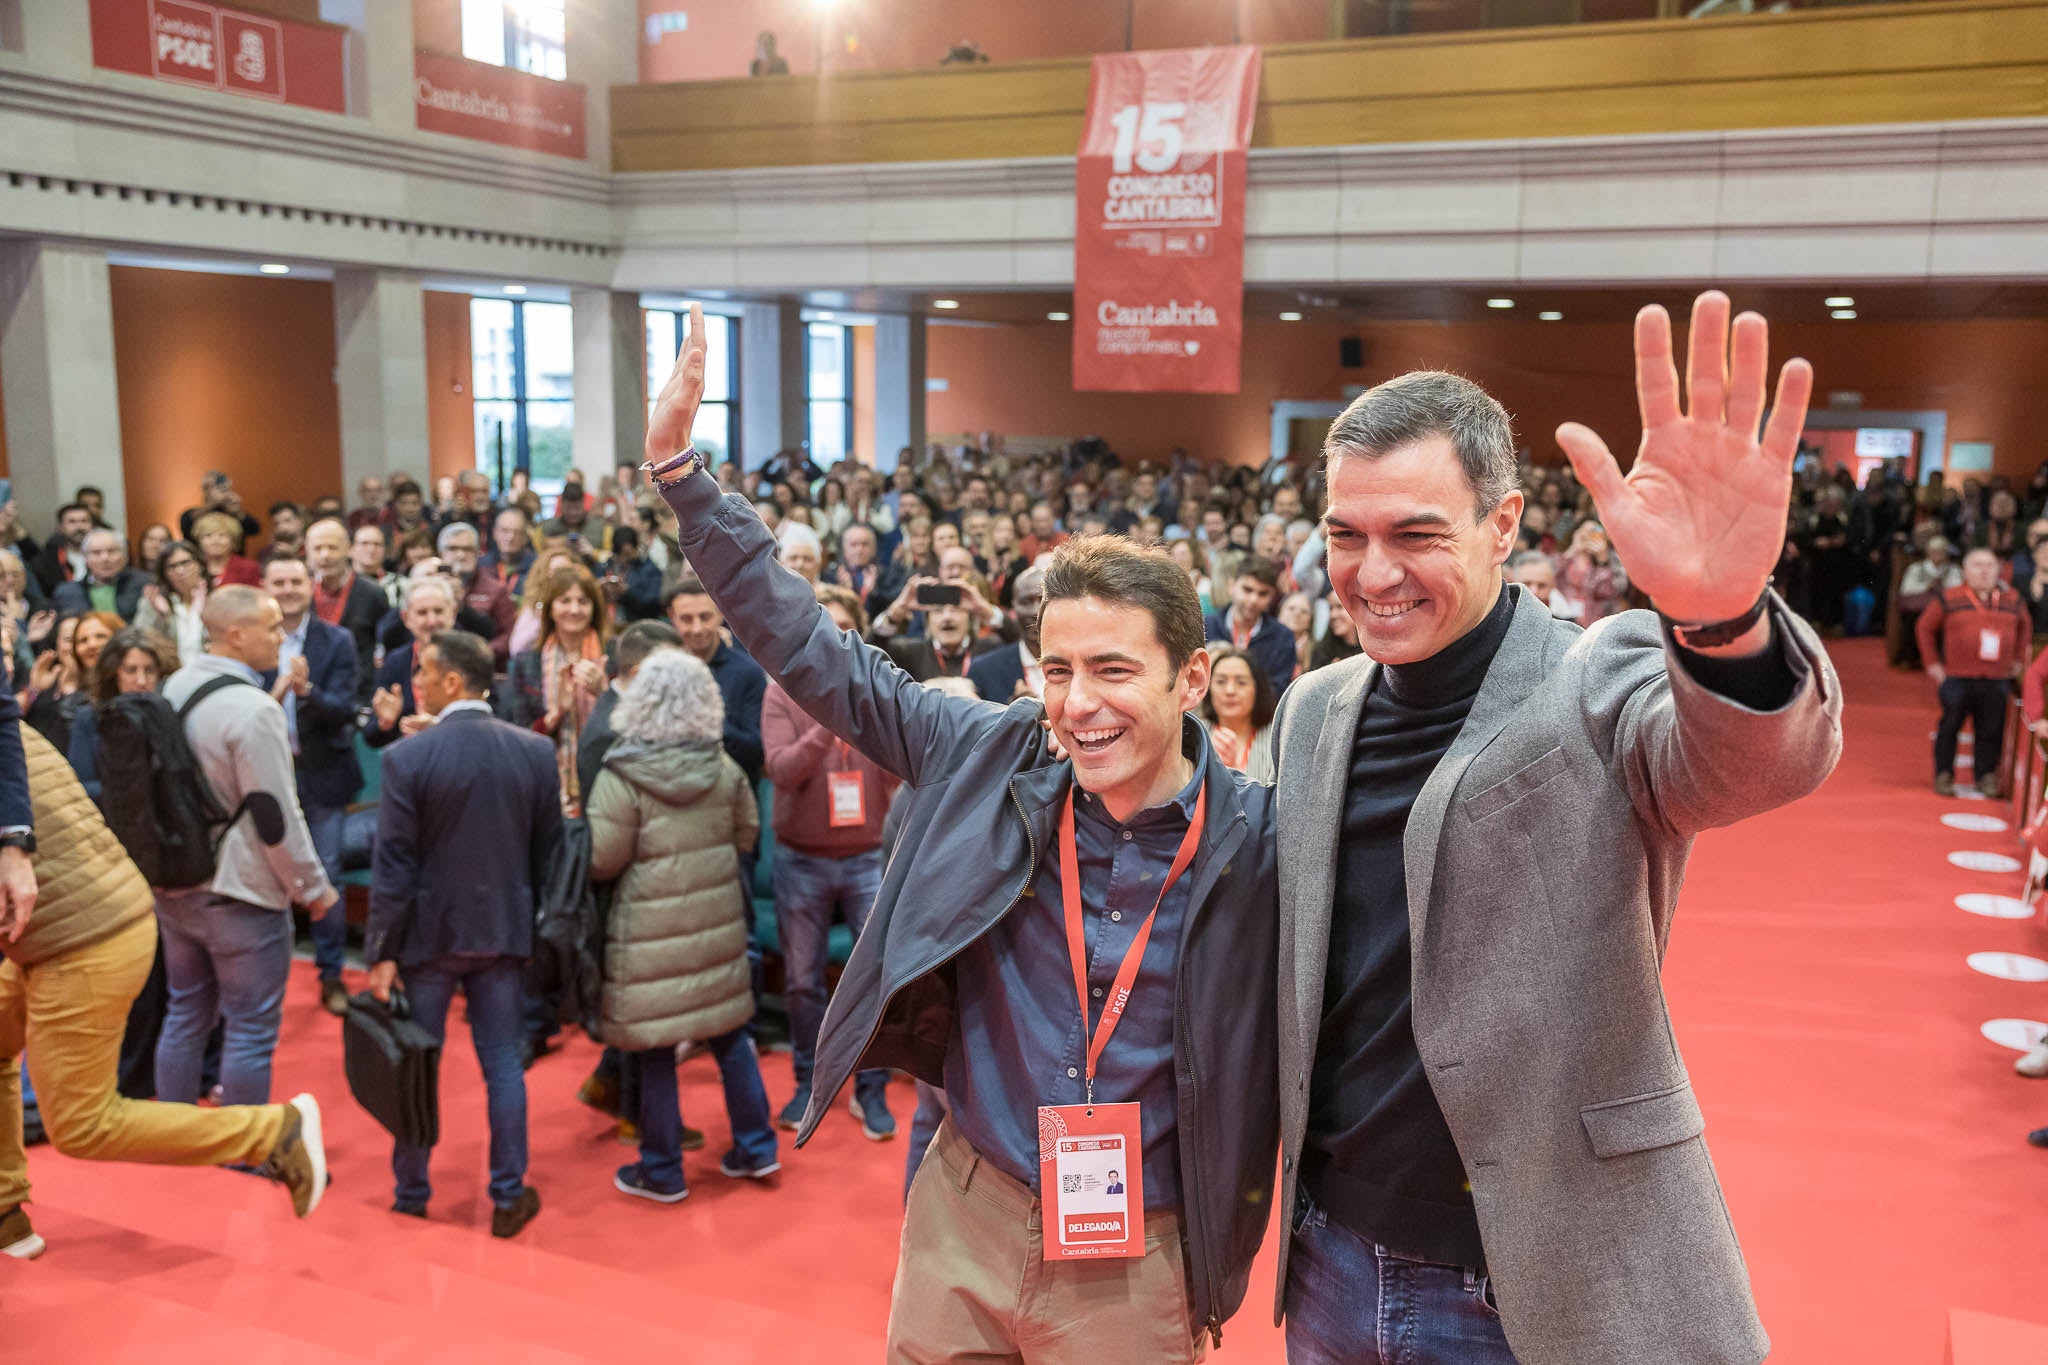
point(1151, 1008)
point(1244, 622)
point(449, 910)
point(315, 682)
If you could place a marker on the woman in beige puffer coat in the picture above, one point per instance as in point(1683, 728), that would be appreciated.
point(668, 817)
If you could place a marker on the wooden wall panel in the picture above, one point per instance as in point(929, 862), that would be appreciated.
point(1961, 59)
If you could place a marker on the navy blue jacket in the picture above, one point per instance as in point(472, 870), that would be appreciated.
point(461, 799)
point(396, 670)
point(995, 675)
point(742, 683)
point(328, 772)
point(1272, 646)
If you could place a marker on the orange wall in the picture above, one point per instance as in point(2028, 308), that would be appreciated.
point(437, 25)
point(1990, 377)
point(451, 412)
point(229, 372)
point(863, 342)
point(897, 35)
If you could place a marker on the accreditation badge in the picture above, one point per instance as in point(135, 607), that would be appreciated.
point(1990, 645)
point(1091, 1181)
point(849, 799)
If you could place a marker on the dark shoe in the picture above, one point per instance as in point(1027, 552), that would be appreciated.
point(877, 1124)
point(510, 1221)
point(792, 1116)
point(1944, 785)
point(17, 1238)
point(633, 1180)
point(2037, 1138)
point(418, 1211)
point(600, 1094)
point(299, 1161)
point(693, 1139)
point(32, 1132)
point(730, 1166)
point(334, 998)
point(1991, 789)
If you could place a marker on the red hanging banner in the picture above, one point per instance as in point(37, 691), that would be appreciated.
point(1159, 220)
point(218, 48)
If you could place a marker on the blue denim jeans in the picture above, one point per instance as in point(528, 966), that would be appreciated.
point(661, 1116)
point(330, 933)
point(494, 987)
point(1351, 1301)
point(807, 892)
point(223, 959)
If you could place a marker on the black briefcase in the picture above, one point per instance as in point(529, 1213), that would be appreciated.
point(393, 1067)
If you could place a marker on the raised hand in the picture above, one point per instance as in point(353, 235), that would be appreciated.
point(675, 407)
point(1700, 519)
point(387, 704)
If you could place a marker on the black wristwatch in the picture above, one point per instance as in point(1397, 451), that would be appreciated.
point(1718, 633)
point(20, 837)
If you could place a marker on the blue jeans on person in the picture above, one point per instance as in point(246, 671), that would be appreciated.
point(330, 932)
point(807, 892)
point(661, 1115)
point(494, 987)
point(223, 959)
point(924, 1126)
point(1351, 1301)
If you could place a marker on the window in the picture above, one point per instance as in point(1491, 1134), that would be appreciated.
point(521, 372)
point(829, 386)
point(527, 35)
point(717, 430)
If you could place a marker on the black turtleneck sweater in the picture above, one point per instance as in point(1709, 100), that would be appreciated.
point(1380, 1159)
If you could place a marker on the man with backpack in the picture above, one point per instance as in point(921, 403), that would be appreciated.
point(228, 940)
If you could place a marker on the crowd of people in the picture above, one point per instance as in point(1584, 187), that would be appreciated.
point(334, 651)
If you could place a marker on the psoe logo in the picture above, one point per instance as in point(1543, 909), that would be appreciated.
point(1172, 313)
point(251, 62)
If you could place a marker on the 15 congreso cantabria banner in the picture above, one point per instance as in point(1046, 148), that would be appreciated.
point(1159, 220)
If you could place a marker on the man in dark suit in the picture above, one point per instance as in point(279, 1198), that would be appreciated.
point(108, 585)
point(343, 598)
point(429, 609)
point(315, 682)
point(1004, 675)
point(62, 559)
point(1246, 624)
point(450, 909)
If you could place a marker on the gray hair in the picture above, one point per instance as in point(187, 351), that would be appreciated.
point(1424, 403)
point(453, 531)
point(103, 534)
point(434, 584)
point(673, 699)
point(794, 532)
point(1523, 559)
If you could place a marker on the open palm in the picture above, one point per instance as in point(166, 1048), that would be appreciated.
point(675, 407)
point(1699, 520)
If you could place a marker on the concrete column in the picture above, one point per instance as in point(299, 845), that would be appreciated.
point(609, 390)
point(57, 370)
point(603, 50)
point(380, 77)
point(774, 414)
point(899, 387)
point(55, 35)
point(380, 348)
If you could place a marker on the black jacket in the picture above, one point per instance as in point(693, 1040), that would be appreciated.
point(328, 772)
point(76, 596)
point(364, 607)
point(982, 814)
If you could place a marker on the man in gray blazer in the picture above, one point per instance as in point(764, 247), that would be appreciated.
point(1491, 1152)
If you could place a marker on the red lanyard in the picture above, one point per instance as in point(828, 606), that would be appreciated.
point(1070, 899)
point(1242, 638)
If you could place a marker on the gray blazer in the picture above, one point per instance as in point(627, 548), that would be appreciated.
point(1544, 858)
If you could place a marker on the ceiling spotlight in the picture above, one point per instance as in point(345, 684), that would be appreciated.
point(827, 317)
point(515, 289)
point(945, 303)
point(1290, 317)
point(1500, 303)
point(1843, 314)
point(274, 268)
point(1550, 315)
point(1059, 317)
point(1840, 301)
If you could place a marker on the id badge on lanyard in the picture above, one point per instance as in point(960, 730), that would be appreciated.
point(1990, 645)
point(1091, 1167)
point(846, 791)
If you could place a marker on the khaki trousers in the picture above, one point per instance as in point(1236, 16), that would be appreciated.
point(70, 1013)
point(971, 1285)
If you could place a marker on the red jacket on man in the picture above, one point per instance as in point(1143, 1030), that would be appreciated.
point(802, 755)
point(1975, 636)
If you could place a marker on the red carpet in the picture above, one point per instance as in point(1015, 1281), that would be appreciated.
point(1869, 1137)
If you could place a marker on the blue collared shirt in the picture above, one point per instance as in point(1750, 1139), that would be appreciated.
point(294, 647)
point(1021, 1042)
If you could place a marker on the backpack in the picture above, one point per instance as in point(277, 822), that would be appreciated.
point(155, 798)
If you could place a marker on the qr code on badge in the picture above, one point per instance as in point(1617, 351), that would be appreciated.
point(1070, 1184)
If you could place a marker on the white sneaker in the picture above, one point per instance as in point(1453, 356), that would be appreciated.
point(2035, 1063)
